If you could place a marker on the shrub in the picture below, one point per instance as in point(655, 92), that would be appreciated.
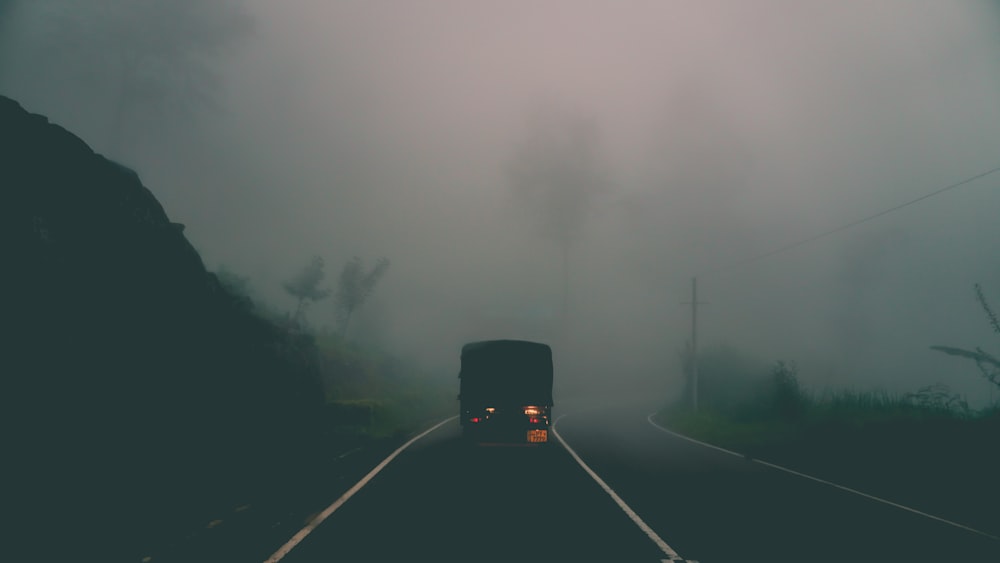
point(788, 399)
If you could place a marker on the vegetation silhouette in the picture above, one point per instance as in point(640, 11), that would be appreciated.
point(988, 364)
point(354, 287)
point(304, 287)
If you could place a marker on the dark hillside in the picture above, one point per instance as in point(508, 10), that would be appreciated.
point(138, 392)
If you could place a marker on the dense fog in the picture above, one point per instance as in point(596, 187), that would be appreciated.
point(561, 170)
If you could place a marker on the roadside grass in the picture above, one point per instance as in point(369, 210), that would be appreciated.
point(718, 429)
point(744, 404)
point(843, 412)
point(393, 414)
point(925, 448)
point(373, 394)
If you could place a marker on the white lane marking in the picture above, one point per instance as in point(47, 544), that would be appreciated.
point(301, 535)
point(666, 549)
point(343, 455)
point(825, 482)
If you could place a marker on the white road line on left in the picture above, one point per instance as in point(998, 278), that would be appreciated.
point(345, 454)
point(301, 535)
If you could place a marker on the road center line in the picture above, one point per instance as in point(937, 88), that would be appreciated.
point(823, 481)
point(666, 549)
point(316, 521)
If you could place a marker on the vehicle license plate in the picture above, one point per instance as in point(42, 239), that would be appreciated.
point(537, 436)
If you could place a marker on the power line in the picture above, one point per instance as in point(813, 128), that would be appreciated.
point(863, 220)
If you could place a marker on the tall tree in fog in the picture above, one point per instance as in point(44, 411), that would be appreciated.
point(698, 161)
point(304, 287)
point(555, 173)
point(128, 58)
point(354, 287)
point(6, 8)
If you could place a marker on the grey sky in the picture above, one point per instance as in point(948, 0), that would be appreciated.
point(728, 128)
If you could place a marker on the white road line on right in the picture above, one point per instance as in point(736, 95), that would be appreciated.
point(823, 481)
point(666, 549)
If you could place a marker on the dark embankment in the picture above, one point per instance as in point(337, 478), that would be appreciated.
point(140, 395)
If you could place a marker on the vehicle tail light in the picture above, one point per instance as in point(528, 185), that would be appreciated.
point(475, 419)
point(533, 420)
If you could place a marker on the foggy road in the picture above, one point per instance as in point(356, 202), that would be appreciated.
point(446, 502)
point(443, 501)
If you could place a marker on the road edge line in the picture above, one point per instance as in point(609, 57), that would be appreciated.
point(825, 482)
point(664, 547)
point(319, 518)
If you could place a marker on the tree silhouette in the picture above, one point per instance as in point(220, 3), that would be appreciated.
point(355, 286)
point(555, 172)
point(987, 363)
point(304, 287)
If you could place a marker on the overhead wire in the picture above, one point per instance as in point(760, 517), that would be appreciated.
point(856, 222)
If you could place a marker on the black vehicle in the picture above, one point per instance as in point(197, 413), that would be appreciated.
point(506, 391)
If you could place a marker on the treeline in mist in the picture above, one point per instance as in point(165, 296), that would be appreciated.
point(369, 391)
point(925, 447)
point(746, 389)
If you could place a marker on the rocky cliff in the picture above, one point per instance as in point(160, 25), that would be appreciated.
point(131, 378)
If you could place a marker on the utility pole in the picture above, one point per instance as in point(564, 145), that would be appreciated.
point(694, 340)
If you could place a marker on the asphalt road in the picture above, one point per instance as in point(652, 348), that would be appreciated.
point(714, 507)
point(442, 501)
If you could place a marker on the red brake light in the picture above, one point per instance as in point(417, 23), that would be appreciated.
point(533, 420)
point(475, 419)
